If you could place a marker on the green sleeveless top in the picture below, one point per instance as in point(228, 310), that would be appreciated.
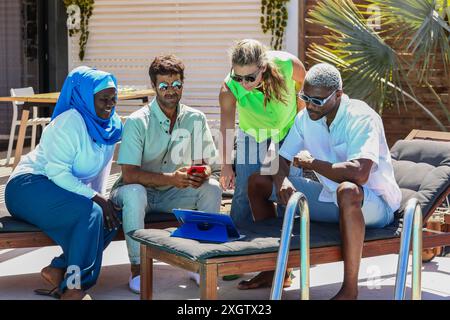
point(275, 120)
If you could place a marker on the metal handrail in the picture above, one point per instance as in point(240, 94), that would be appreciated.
point(412, 224)
point(299, 199)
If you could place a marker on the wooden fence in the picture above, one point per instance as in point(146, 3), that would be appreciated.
point(397, 123)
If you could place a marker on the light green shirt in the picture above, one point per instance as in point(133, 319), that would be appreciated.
point(148, 143)
point(276, 118)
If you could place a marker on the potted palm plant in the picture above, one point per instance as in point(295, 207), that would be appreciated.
point(384, 64)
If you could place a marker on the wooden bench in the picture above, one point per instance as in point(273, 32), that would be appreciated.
point(36, 238)
point(25, 239)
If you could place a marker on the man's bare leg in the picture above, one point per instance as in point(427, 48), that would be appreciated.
point(259, 192)
point(352, 226)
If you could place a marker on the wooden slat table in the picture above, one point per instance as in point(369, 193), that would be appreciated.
point(51, 99)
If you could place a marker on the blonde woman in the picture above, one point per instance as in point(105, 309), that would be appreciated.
point(262, 89)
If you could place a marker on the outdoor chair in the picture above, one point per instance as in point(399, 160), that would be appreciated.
point(422, 170)
point(34, 121)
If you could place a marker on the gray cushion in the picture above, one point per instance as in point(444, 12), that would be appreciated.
point(422, 170)
point(261, 237)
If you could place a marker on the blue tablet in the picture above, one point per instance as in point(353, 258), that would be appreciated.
point(205, 226)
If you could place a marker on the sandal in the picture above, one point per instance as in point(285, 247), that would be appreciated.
point(54, 293)
point(231, 277)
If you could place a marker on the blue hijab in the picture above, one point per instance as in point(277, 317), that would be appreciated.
point(78, 93)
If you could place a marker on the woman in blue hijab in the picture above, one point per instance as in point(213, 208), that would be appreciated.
point(58, 186)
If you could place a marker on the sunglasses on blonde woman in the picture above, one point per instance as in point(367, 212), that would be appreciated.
point(247, 78)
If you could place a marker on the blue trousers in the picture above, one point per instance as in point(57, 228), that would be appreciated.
point(249, 157)
point(376, 211)
point(73, 221)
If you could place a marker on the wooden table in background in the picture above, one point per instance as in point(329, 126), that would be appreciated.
point(51, 99)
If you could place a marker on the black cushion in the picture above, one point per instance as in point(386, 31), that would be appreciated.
point(155, 216)
point(10, 224)
point(422, 170)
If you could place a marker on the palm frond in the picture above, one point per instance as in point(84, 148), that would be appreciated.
point(371, 69)
point(364, 57)
point(423, 21)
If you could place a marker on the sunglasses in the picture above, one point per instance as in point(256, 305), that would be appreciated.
point(316, 101)
point(176, 85)
point(247, 78)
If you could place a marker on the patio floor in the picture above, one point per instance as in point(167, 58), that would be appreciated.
point(19, 276)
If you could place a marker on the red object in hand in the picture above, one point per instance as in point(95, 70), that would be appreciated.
point(196, 169)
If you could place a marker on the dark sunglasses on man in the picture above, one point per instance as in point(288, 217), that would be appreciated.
point(316, 101)
point(176, 85)
point(247, 78)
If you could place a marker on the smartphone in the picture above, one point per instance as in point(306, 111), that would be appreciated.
point(196, 169)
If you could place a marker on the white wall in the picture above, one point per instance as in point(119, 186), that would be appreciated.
point(292, 28)
point(125, 35)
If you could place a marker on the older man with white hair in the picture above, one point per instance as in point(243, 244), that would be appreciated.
point(343, 141)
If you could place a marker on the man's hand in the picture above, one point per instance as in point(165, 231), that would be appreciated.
point(197, 179)
point(285, 192)
point(303, 160)
point(181, 179)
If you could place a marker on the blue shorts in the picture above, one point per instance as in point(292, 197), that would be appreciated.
point(376, 211)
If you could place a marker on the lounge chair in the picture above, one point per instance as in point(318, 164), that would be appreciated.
point(422, 169)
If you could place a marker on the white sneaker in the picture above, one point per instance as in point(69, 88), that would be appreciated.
point(194, 277)
point(135, 284)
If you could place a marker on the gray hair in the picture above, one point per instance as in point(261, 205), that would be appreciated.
point(324, 75)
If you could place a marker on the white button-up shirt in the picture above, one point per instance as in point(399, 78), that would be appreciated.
point(356, 132)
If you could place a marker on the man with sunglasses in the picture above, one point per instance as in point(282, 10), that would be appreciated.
point(160, 143)
point(343, 141)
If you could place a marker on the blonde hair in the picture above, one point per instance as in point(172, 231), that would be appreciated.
point(249, 51)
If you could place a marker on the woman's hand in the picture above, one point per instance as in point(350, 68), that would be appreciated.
point(110, 211)
point(227, 179)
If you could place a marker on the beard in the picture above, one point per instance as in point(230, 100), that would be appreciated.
point(169, 101)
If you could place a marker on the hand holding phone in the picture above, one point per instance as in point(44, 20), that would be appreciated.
point(196, 169)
